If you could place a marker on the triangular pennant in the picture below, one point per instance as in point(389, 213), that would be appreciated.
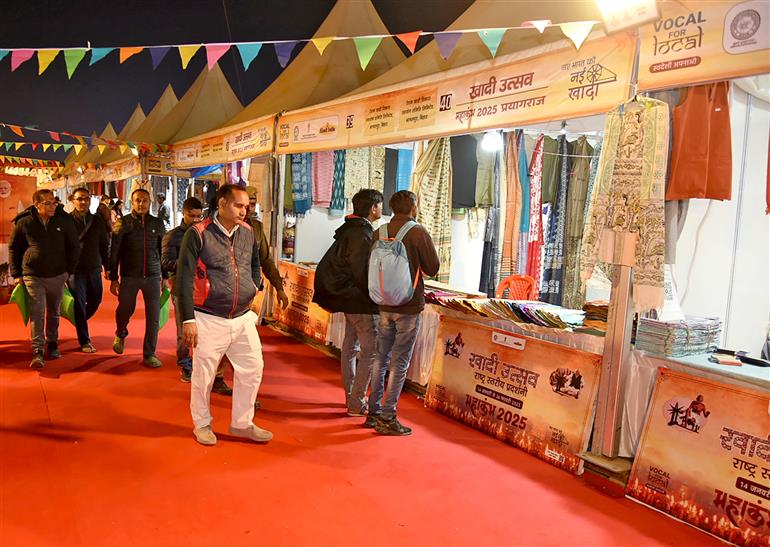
point(44, 58)
point(321, 43)
point(248, 53)
point(34, 145)
point(539, 24)
point(126, 52)
point(54, 135)
point(18, 145)
point(157, 54)
point(123, 148)
point(491, 38)
point(72, 58)
point(283, 52)
point(409, 39)
point(16, 129)
point(20, 56)
point(46, 146)
point(577, 32)
point(3, 53)
point(186, 53)
point(78, 148)
point(98, 53)
point(214, 52)
point(446, 42)
point(56, 147)
point(101, 147)
point(366, 46)
point(8, 146)
point(67, 147)
point(81, 140)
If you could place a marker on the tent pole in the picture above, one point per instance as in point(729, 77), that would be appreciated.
point(276, 224)
point(174, 197)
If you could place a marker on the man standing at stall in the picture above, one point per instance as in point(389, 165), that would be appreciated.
point(215, 296)
point(43, 252)
point(86, 284)
point(399, 325)
point(135, 251)
point(164, 213)
point(341, 286)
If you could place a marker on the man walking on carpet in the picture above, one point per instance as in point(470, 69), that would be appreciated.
point(399, 325)
point(86, 283)
point(216, 281)
point(341, 286)
point(135, 255)
point(43, 252)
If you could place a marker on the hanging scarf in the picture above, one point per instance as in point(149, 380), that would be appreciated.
point(553, 264)
point(521, 266)
point(433, 186)
point(376, 168)
point(628, 196)
point(288, 198)
point(485, 175)
point(181, 192)
point(513, 209)
point(357, 162)
point(535, 234)
point(404, 171)
point(337, 205)
point(301, 182)
point(323, 178)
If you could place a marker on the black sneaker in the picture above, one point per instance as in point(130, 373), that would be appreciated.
point(38, 361)
point(257, 405)
point(371, 421)
point(392, 427)
point(221, 387)
point(53, 350)
point(186, 375)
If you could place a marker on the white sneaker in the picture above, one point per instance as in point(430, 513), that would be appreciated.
point(205, 435)
point(254, 433)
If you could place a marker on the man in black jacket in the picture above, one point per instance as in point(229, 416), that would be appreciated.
point(136, 251)
point(341, 285)
point(43, 252)
point(86, 284)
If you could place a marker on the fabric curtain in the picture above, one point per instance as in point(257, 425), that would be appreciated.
point(553, 263)
point(535, 233)
point(323, 178)
point(432, 184)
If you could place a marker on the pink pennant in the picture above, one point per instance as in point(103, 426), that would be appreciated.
point(539, 24)
point(20, 56)
point(214, 52)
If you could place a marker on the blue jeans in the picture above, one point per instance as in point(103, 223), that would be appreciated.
point(129, 290)
point(395, 343)
point(359, 344)
point(86, 288)
point(183, 358)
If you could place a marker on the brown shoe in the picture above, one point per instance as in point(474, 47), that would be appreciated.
point(254, 433)
point(88, 348)
point(38, 361)
point(205, 435)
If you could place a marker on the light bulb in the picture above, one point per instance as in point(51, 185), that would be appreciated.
point(492, 141)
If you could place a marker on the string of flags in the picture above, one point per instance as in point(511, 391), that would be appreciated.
point(29, 161)
point(366, 46)
point(83, 142)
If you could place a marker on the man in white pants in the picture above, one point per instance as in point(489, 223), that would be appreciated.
point(217, 277)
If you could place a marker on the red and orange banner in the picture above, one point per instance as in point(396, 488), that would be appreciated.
point(704, 457)
point(302, 315)
point(535, 395)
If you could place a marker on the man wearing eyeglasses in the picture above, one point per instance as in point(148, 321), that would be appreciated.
point(86, 284)
point(43, 252)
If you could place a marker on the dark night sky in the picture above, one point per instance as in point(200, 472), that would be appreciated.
point(108, 91)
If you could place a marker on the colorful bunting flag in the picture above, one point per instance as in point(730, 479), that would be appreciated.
point(365, 47)
point(539, 24)
point(54, 135)
point(248, 53)
point(214, 52)
point(122, 148)
point(44, 58)
point(16, 129)
point(8, 146)
point(101, 148)
point(46, 146)
point(67, 147)
point(577, 32)
point(72, 58)
point(3, 53)
point(492, 38)
point(126, 52)
point(186, 53)
point(409, 39)
point(20, 56)
point(56, 147)
point(283, 52)
point(18, 145)
point(78, 148)
point(446, 42)
point(34, 145)
point(157, 54)
point(98, 53)
point(321, 43)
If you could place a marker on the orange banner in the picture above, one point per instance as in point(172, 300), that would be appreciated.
point(695, 42)
point(704, 457)
point(301, 315)
point(535, 395)
point(561, 84)
point(246, 140)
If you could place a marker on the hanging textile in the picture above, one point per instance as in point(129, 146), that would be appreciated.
point(501, 200)
point(553, 263)
point(551, 169)
point(535, 233)
point(580, 160)
point(357, 163)
point(521, 266)
point(464, 170)
point(591, 178)
point(701, 156)
point(433, 186)
point(376, 168)
point(391, 171)
point(323, 178)
point(487, 283)
point(181, 192)
point(337, 205)
point(485, 174)
point(288, 196)
point(404, 174)
point(628, 196)
point(301, 182)
point(513, 208)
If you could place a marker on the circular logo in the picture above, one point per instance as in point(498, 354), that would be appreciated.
point(5, 189)
point(745, 24)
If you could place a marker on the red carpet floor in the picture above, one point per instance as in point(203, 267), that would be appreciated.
point(96, 450)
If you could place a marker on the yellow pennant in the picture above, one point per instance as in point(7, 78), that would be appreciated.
point(46, 146)
point(186, 53)
point(321, 43)
point(19, 145)
point(77, 148)
point(101, 148)
point(123, 148)
point(44, 58)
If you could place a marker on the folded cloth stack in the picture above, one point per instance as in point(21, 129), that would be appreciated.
point(692, 336)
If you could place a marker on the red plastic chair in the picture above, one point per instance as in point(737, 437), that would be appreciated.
point(519, 287)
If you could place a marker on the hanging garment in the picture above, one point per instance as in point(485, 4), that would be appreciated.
point(376, 168)
point(485, 174)
point(513, 207)
point(501, 200)
point(337, 205)
point(464, 168)
point(288, 195)
point(535, 233)
point(551, 169)
point(487, 281)
point(525, 189)
point(433, 186)
point(591, 178)
point(404, 174)
point(357, 163)
point(628, 196)
point(580, 161)
point(323, 178)
point(391, 170)
point(302, 181)
point(701, 156)
point(181, 192)
point(553, 261)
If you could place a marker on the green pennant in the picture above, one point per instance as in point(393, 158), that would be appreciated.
point(72, 58)
point(8, 146)
point(492, 38)
point(56, 147)
point(365, 47)
point(67, 147)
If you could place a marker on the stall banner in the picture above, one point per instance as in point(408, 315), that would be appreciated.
point(561, 84)
point(247, 141)
point(695, 42)
point(536, 395)
point(163, 166)
point(121, 170)
point(302, 314)
point(704, 457)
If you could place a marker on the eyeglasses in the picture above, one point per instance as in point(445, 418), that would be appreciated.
point(82, 199)
point(47, 203)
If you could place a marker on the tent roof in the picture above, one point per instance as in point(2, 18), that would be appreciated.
point(489, 14)
point(312, 78)
point(133, 123)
